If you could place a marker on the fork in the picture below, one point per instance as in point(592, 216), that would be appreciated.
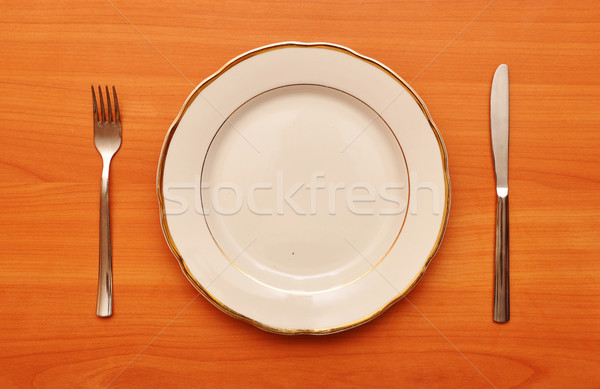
point(107, 138)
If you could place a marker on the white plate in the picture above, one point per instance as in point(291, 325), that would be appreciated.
point(303, 188)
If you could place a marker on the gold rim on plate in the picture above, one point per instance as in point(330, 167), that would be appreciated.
point(161, 201)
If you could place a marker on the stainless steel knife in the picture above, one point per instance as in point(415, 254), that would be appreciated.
point(499, 120)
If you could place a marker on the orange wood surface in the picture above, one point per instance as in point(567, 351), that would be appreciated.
point(162, 334)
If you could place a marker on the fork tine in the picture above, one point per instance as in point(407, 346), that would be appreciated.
point(95, 113)
point(108, 106)
point(101, 104)
point(117, 111)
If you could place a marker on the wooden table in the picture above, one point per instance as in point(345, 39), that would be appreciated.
point(162, 334)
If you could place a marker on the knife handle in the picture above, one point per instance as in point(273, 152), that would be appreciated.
point(501, 278)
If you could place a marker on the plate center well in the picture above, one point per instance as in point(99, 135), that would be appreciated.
point(305, 188)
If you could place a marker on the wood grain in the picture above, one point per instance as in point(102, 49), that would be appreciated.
point(162, 334)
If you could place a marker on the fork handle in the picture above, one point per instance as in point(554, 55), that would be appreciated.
point(501, 279)
point(104, 303)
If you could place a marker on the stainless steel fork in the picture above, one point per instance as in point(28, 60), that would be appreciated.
point(107, 138)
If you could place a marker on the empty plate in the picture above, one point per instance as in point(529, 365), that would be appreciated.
point(303, 188)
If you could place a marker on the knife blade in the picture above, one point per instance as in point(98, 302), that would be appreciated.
point(499, 122)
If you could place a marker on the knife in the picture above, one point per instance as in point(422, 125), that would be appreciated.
point(499, 120)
